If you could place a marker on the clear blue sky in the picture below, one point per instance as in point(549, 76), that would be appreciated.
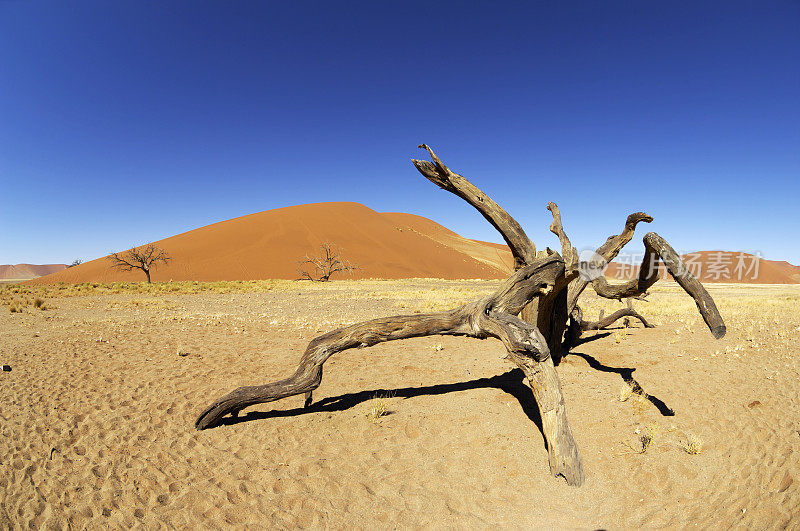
point(127, 122)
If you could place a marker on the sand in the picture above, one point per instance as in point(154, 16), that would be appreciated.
point(723, 267)
point(393, 245)
point(96, 417)
point(19, 272)
point(269, 245)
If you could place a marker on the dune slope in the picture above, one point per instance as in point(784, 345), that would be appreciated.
point(384, 245)
point(25, 271)
point(724, 266)
point(269, 244)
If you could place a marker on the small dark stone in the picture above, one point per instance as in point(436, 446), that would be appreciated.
point(6, 368)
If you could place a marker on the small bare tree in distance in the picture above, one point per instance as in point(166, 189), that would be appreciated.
point(146, 257)
point(329, 261)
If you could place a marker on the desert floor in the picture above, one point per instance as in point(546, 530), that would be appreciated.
point(96, 417)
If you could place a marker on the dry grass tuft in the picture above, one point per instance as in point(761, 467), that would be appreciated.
point(379, 407)
point(640, 403)
point(692, 445)
point(645, 439)
point(625, 392)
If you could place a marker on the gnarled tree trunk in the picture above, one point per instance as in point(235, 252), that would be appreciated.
point(543, 292)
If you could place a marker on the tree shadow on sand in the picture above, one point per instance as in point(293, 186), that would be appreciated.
point(512, 382)
point(627, 376)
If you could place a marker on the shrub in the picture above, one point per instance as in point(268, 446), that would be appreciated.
point(692, 445)
point(379, 407)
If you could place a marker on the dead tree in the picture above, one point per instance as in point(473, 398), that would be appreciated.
point(146, 258)
point(543, 291)
point(320, 268)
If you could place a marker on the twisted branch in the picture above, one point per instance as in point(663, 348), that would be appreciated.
point(608, 320)
point(605, 254)
point(657, 247)
point(569, 253)
point(522, 248)
point(532, 342)
point(492, 316)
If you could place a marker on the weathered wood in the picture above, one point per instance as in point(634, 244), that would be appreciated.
point(543, 291)
point(522, 248)
point(563, 453)
point(657, 247)
point(492, 316)
point(608, 320)
point(308, 375)
point(568, 252)
point(606, 253)
point(549, 312)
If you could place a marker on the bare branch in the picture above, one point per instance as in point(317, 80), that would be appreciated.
point(569, 253)
point(605, 254)
point(656, 247)
point(488, 317)
point(533, 340)
point(604, 322)
point(614, 244)
point(522, 248)
point(122, 263)
point(563, 453)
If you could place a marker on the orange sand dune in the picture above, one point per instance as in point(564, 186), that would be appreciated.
point(385, 245)
point(724, 266)
point(269, 244)
point(25, 271)
point(493, 254)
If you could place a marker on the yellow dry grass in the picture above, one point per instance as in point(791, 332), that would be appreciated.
point(379, 407)
point(176, 346)
point(692, 444)
point(756, 315)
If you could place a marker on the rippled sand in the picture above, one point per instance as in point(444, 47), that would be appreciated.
point(97, 417)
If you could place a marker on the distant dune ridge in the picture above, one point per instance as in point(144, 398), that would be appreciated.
point(723, 266)
point(384, 245)
point(269, 244)
point(28, 271)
